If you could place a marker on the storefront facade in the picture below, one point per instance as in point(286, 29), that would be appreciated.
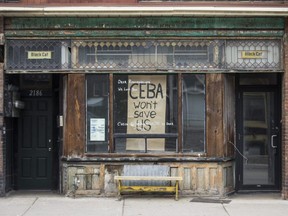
point(86, 99)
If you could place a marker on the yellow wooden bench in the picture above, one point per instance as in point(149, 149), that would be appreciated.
point(172, 189)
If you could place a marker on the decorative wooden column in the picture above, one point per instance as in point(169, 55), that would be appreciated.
point(74, 128)
point(220, 109)
point(214, 110)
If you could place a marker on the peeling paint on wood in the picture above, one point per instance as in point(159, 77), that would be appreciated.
point(75, 119)
point(144, 27)
point(229, 114)
point(146, 22)
point(143, 33)
point(198, 178)
point(214, 101)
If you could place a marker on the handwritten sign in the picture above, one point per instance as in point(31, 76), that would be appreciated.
point(39, 54)
point(146, 111)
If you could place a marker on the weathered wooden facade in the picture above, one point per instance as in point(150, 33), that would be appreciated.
point(109, 90)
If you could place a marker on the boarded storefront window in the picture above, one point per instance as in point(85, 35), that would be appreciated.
point(145, 105)
point(145, 113)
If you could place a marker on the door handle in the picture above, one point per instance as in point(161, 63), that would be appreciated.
point(49, 149)
point(272, 141)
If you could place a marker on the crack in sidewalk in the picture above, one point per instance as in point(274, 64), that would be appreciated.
point(123, 207)
point(30, 206)
point(225, 209)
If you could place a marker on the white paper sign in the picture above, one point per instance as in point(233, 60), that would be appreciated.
point(97, 129)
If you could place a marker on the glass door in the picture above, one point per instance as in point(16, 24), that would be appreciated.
point(259, 138)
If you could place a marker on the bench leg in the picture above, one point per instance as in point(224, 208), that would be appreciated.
point(119, 189)
point(176, 190)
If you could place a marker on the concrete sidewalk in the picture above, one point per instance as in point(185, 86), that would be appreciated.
point(42, 204)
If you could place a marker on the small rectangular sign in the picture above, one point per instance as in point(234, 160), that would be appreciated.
point(252, 54)
point(97, 129)
point(39, 54)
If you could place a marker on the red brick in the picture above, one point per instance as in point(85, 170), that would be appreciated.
point(285, 119)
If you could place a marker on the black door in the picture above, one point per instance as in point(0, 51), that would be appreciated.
point(259, 138)
point(35, 144)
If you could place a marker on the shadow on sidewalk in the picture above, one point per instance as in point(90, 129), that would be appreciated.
point(34, 193)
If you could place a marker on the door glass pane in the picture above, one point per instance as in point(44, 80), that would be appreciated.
point(193, 113)
point(258, 117)
point(97, 113)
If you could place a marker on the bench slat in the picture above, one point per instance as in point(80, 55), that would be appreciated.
point(148, 188)
point(147, 178)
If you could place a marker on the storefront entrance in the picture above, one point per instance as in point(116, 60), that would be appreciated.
point(35, 150)
point(259, 137)
point(36, 147)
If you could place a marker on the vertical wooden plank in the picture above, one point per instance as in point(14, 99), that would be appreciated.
point(229, 115)
point(64, 113)
point(213, 179)
point(111, 110)
point(214, 109)
point(174, 172)
point(102, 178)
point(187, 178)
point(96, 179)
point(220, 181)
point(180, 134)
point(229, 177)
point(201, 180)
point(194, 177)
point(181, 173)
point(207, 178)
point(75, 116)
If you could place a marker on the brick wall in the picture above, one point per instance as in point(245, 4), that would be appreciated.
point(285, 118)
point(126, 2)
point(2, 149)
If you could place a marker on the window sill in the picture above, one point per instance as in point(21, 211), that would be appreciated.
point(146, 158)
